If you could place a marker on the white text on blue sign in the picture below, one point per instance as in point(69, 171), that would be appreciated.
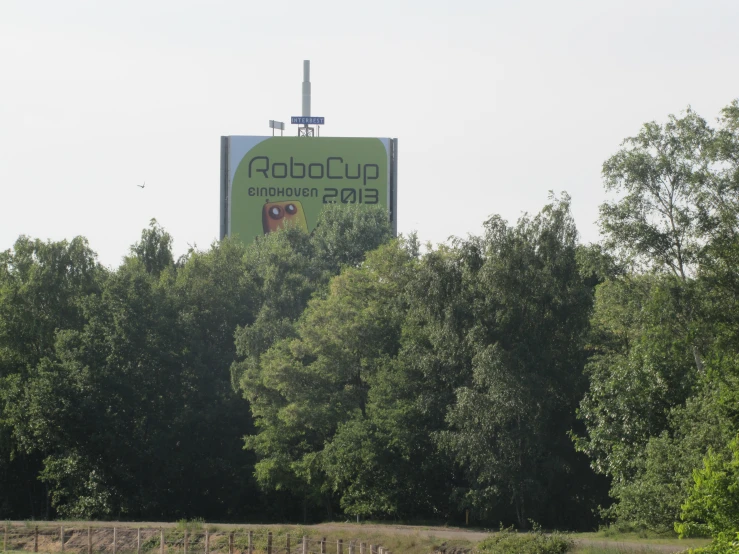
point(298, 120)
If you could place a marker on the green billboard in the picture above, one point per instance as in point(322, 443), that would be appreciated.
point(270, 182)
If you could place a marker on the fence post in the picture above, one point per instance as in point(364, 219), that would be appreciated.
point(269, 542)
point(89, 540)
point(184, 543)
point(61, 536)
point(35, 539)
point(305, 544)
point(372, 549)
point(351, 547)
point(339, 547)
point(138, 541)
point(5, 539)
point(251, 542)
point(323, 545)
point(161, 541)
point(115, 542)
point(231, 543)
point(207, 542)
point(287, 543)
point(361, 548)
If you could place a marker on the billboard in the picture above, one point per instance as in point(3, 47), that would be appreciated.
point(268, 182)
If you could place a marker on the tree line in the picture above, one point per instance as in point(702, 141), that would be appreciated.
point(518, 374)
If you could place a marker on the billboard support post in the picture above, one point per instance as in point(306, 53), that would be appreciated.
point(393, 200)
point(224, 188)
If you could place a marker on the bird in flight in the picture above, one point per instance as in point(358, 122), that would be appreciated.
point(142, 186)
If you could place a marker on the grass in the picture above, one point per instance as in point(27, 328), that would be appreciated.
point(612, 550)
point(645, 537)
point(190, 525)
point(419, 540)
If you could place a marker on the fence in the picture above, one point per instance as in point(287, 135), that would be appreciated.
point(147, 540)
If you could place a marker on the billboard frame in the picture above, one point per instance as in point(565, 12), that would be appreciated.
point(225, 189)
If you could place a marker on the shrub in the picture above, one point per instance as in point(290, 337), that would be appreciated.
point(191, 526)
point(508, 541)
point(713, 505)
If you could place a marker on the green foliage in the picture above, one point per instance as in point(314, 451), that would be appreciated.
point(155, 249)
point(664, 343)
point(654, 222)
point(285, 349)
point(641, 367)
point(127, 400)
point(365, 377)
point(191, 525)
point(507, 541)
point(345, 233)
point(712, 509)
point(43, 288)
point(350, 398)
point(663, 477)
point(306, 387)
point(508, 425)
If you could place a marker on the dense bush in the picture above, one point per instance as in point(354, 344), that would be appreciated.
point(508, 541)
point(712, 509)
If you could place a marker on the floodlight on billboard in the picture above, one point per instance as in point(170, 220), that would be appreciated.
point(268, 182)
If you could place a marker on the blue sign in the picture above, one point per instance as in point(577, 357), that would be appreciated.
point(298, 120)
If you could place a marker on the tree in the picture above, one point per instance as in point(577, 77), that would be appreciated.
point(658, 172)
point(43, 287)
point(346, 232)
point(123, 408)
point(307, 387)
point(639, 369)
point(287, 268)
point(508, 425)
point(154, 249)
point(664, 336)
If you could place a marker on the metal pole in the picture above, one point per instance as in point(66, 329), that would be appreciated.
point(306, 89)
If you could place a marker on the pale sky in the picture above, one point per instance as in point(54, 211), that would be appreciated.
point(494, 103)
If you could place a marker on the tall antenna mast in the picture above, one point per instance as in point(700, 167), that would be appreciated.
point(305, 121)
point(306, 89)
